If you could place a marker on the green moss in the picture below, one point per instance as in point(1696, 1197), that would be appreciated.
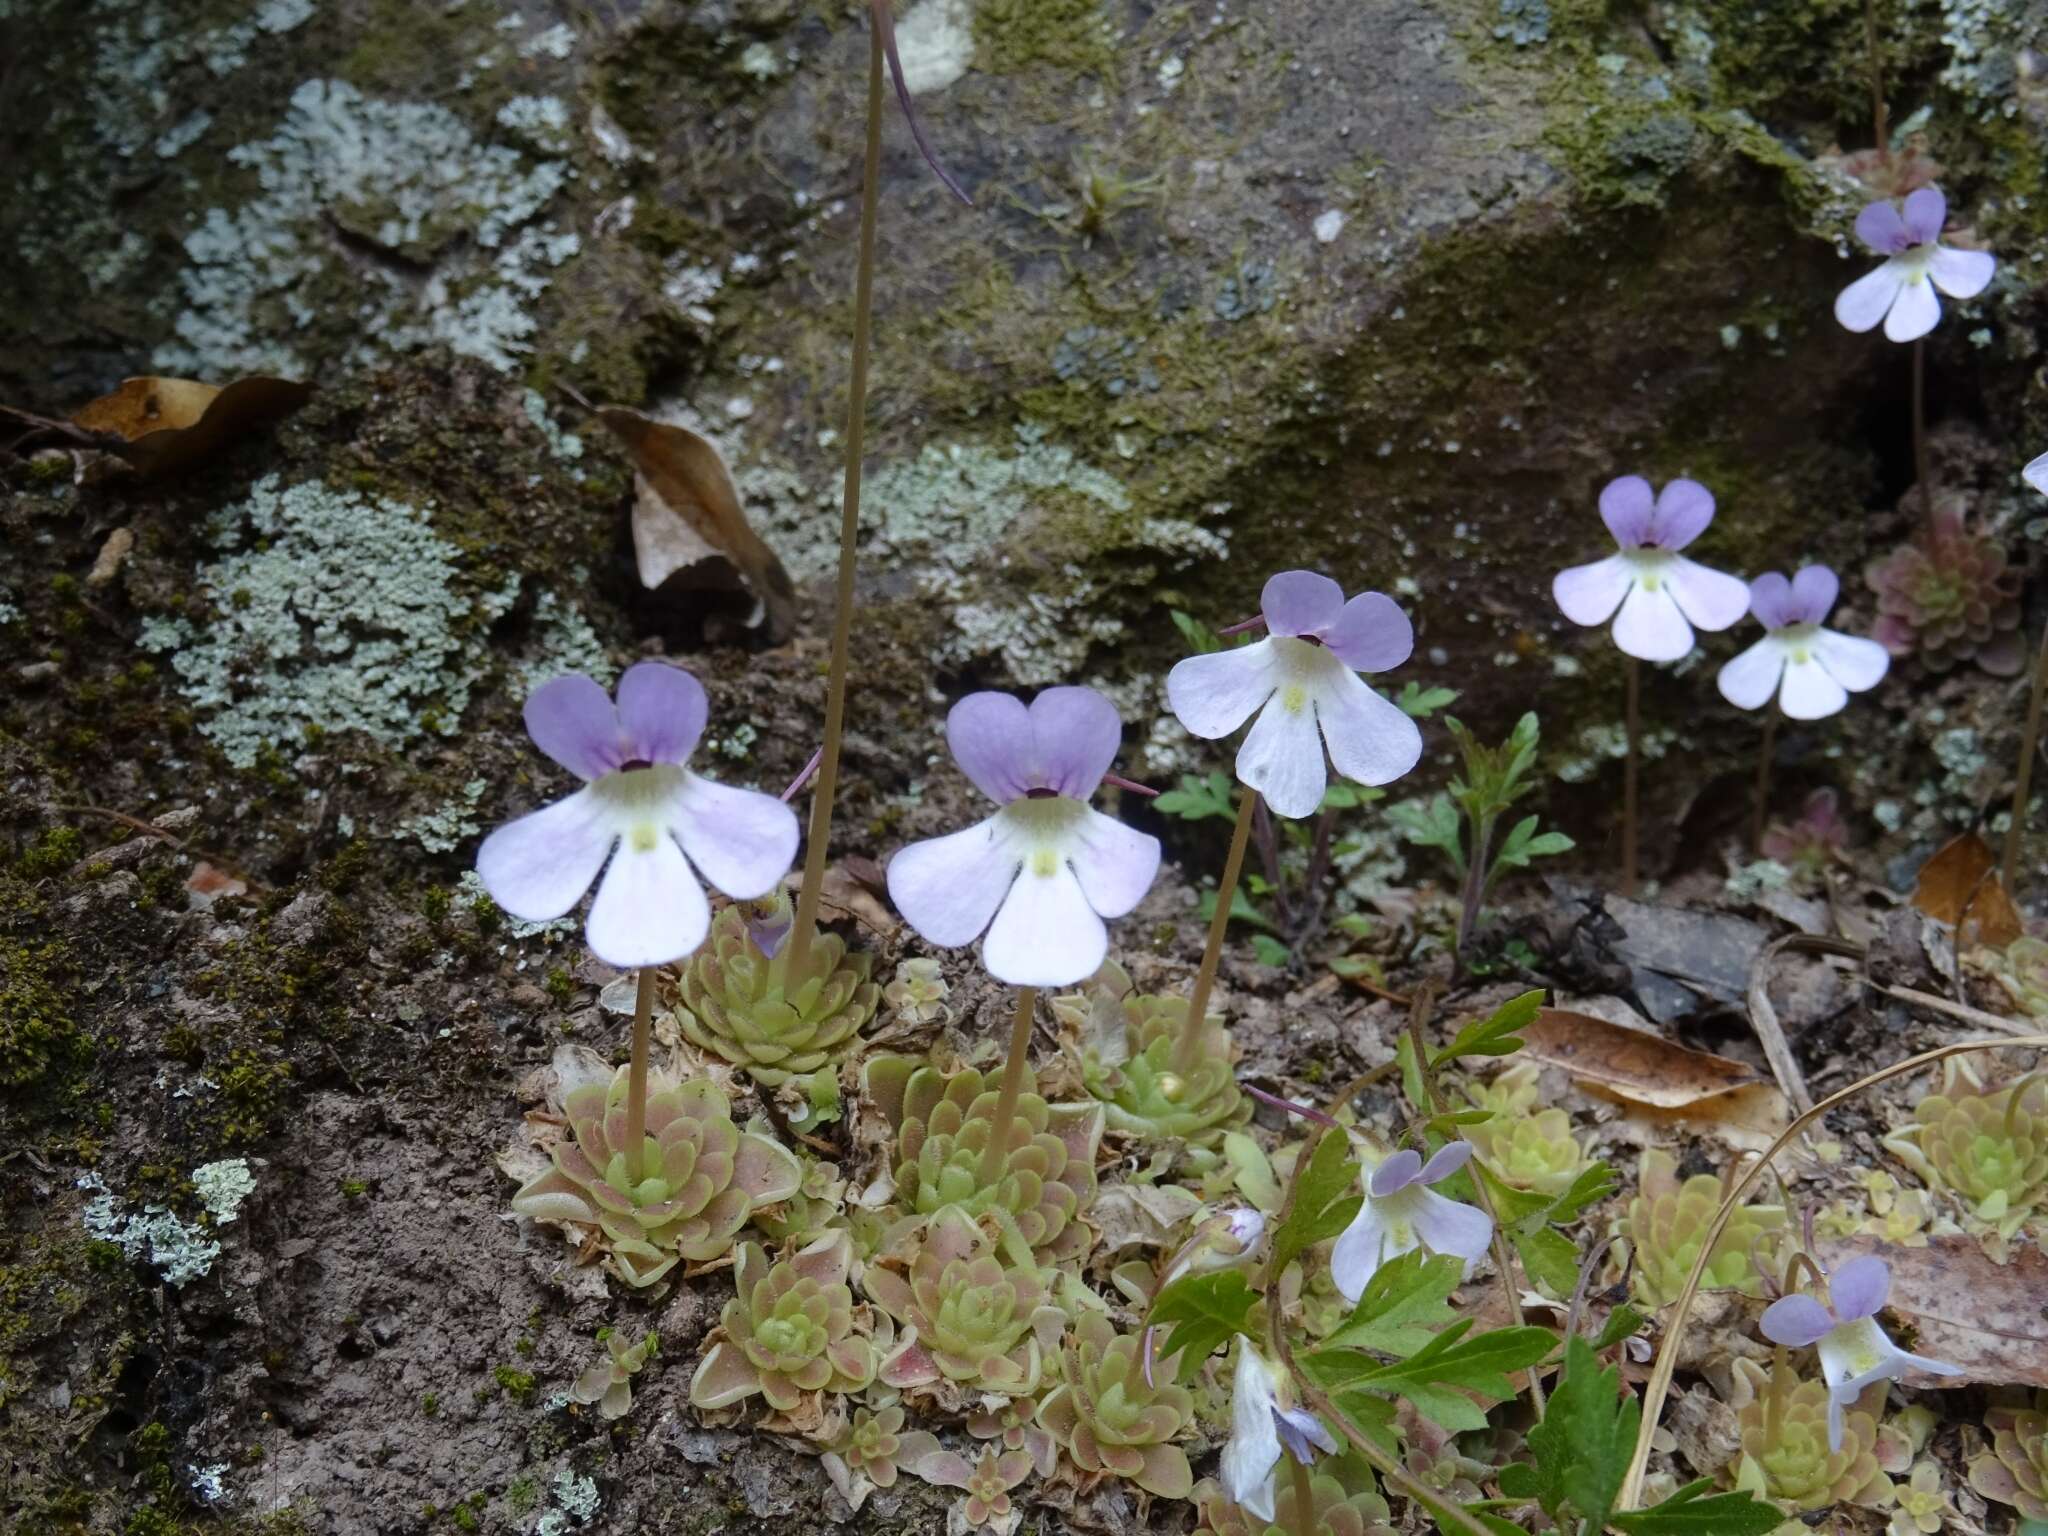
point(1069, 35)
point(522, 1496)
point(519, 1385)
point(54, 852)
point(35, 1021)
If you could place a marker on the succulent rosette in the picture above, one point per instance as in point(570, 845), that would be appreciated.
point(642, 818)
point(1787, 1453)
point(1987, 1145)
point(1527, 1147)
point(739, 1003)
point(1333, 1510)
point(789, 1331)
point(1128, 1043)
point(2015, 1470)
point(1111, 1418)
point(1041, 874)
point(970, 1319)
point(1948, 597)
point(1667, 1221)
point(609, 1383)
point(701, 1174)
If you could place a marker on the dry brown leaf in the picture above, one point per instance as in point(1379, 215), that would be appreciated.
point(688, 522)
point(1632, 1064)
point(166, 424)
point(1990, 1319)
point(1958, 886)
point(113, 554)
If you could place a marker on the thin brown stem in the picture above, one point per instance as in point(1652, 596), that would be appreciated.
point(1762, 808)
point(820, 831)
point(996, 1152)
point(1474, 896)
point(2030, 741)
point(1880, 134)
point(1304, 1501)
point(1920, 435)
point(1628, 783)
point(1190, 1048)
point(636, 1075)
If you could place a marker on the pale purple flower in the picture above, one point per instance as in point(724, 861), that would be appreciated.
point(1401, 1213)
point(1854, 1351)
point(1265, 1420)
point(1224, 1241)
point(1047, 868)
point(1659, 593)
point(1901, 292)
point(2036, 474)
point(1812, 670)
point(1303, 681)
point(639, 798)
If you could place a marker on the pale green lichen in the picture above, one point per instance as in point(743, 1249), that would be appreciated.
point(154, 1235)
point(332, 611)
point(562, 641)
point(448, 828)
point(223, 1186)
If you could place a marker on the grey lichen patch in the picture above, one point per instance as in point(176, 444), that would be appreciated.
point(179, 1252)
point(223, 1186)
point(448, 244)
point(449, 827)
point(331, 611)
point(562, 641)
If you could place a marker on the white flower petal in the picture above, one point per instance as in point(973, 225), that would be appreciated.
point(2036, 473)
point(948, 888)
point(1213, 695)
point(741, 840)
point(1712, 600)
point(1045, 933)
point(1370, 740)
point(1865, 302)
point(1115, 864)
point(1915, 313)
point(1854, 662)
point(1589, 594)
point(539, 866)
point(1451, 1226)
point(1808, 693)
point(649, 909)
point(1750, 679)
point(1253, 1450)
point(1962, 274)
point(1363, 1247)
point(1282, 758)
point(1650, 626)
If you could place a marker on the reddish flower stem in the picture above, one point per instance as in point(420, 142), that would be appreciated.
point(1628, 785)
point(636, 1076)
point(1189, 1050)
point(996, 1153)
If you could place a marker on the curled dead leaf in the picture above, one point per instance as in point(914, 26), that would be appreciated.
point(113, 554)
point(1990, 1319)
point(1632, 1064)
point(688, 524)
point(1959, 886)
point(159, 425)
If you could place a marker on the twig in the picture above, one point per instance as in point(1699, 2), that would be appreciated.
point(1962, 1012)
point(256, 887)
point(1763, 1016)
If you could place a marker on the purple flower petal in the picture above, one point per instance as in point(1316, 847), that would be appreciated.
point(1795, 1321)
point(1589, 594)
point(741, 840)
point(1859, 1287)
point(1770, 599)
point(1712, 600)
point(662, 710)
point(1808, 692)
point(1282, 758)
point(1814, 591)
point(1045, 933)
point(1651, 627)
point(1750, 679)
point(1684, 508)
point(1212, 695)
point(1880, 227)
point(1360, 1251)
point(1926, 211)
point(1931, 1367)
point(1962, 274)
point(1370, 740)
point(1371, 634)
point(1860, 306)
point(948, 888)
point(1115, 864)
point(1626, 507)
point(649, 908)
point(1300, 603)
point(1395, 1174)
point(1915, 312)
point(1451, 1226)
point(993, 742)
point(1449, 1158)
point(1852, 661)
point(2036, 473)
point(539, 866)
point(1302, 1434)
point(1076, 734)
point(572, 720)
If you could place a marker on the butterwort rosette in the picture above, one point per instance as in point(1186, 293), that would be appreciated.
point(1811, 669)
point(1901, 292)
point(1655, 595)
point(1041, 874)
point(642, 818)
point(1302, 680)
point(1854, 1350)
point(1402, 1213)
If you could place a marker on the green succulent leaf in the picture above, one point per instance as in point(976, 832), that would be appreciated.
point(1404, 1304)
point(1326, 1197)
point(1205, 1311)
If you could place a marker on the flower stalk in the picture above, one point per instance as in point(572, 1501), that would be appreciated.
point(1628, 781)
point(827, 790)
point(2030, 740)
point(997, 1153)
point(636, 1079)
point(1190, 1049)
point(1763, 781)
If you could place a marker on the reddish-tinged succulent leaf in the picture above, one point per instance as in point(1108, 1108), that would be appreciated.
point(724, 1376)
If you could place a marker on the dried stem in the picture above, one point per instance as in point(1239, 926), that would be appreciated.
point(1628, 783)
point(997, 1151)
point(2030, 740)
point(1269, 856)
point(820, 832)
point(1920, 434)
point(1763, 780)
point(1475, 890)
point(1189, 1051)
point(1880, 134)
point(636, 1075)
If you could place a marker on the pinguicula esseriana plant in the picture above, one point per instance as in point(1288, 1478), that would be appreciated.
point(1041, 874)
point(791, 1332)
point(1788, 1453)
point(1900, 292)
point(609, 1383)
point(944, 1125)
point(1520, 1144)
point(1302, 681)
point(1401, 1213)
point(2015, 1469)
point(1986, 1144)
point(1666, 1222)
point(1655, 596)
point(1809, 669)
point(643, 820)
point(1113, 1415)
